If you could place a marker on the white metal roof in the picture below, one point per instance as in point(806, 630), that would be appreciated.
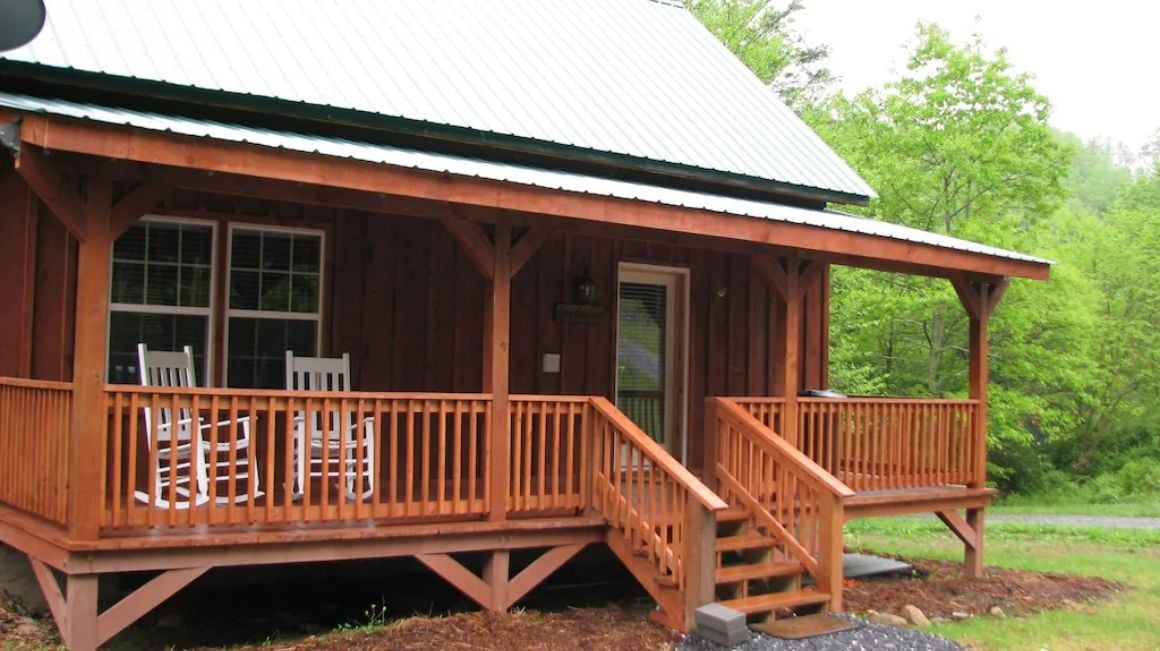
point(638, 78)
point(470, 167)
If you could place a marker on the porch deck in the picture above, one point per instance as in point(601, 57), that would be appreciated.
point(567, 471)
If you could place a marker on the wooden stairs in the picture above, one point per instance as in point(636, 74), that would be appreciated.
point(754, 574)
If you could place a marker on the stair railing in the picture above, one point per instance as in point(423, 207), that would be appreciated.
point(791, 497)
point(662, 518)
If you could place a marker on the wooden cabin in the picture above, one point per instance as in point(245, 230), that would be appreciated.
point(577, 256)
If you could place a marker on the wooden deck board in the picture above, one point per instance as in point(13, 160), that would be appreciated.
point(925, 499)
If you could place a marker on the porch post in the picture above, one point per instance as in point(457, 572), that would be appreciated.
point(86, 449)
point(497, 331)
point(791, 352)
point(979, 299)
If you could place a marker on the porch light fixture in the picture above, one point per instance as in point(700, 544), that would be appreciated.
point(584, 288)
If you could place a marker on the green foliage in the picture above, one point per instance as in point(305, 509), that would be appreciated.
point(759, 32)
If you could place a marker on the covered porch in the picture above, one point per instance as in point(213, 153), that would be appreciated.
point(477, 445)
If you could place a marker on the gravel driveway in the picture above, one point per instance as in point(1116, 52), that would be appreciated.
point(1078, 520)
point(867, 637)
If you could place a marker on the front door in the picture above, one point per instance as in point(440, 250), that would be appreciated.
point(650, 351)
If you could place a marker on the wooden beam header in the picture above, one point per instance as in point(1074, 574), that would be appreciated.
point(160, 148)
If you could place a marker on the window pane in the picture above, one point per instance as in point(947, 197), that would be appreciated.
point(128, 282)
point(197, 246)
point(195, 286)
point(304, 295)
point(157, 332)
point(257, 355)
point(161, 285)
point(131, 245)
point(276, 251)
point(246, 249)
point(275, 292)
point(307, 253)
point(244, 290)
point(162, 242)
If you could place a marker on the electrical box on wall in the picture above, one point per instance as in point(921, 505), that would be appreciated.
point(551, 363)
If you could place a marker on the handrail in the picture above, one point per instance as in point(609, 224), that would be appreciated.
point(776, 445)
point(883, 400)
point(27, 383)
point(659, 456)
point(229, 392)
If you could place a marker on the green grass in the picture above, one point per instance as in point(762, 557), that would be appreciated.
point(1143, 508)
point(1130, 620)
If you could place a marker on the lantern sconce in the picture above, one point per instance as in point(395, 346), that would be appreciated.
point(584, 307)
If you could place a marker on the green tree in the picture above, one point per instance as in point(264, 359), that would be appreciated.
point(761, 34)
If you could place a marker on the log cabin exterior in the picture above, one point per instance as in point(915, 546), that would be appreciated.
point(554, 344)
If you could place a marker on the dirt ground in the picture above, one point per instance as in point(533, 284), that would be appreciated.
point(598, 623)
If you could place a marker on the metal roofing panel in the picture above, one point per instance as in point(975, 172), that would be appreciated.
point(538, 177)
point(641, 78)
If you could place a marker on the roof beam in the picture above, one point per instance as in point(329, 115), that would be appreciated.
point(127, 143)
point(50, 185)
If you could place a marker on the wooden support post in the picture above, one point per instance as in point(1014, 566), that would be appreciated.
point(791, 352)
point(973, 552)
point(86, 449)
point(497, 575)
point(700, 560)
point(496, 370)
point(709, 443)
point(979, 300)
point(831, 552)
point(80, 619)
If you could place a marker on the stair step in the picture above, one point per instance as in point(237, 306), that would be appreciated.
point(738, 573)
point(744, 541)
point(733, 514)
point(765, 603)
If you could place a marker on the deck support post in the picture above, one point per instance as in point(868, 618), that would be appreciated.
point(79, 628)
point(497, 342)
point(973, 551)
point(497, 574)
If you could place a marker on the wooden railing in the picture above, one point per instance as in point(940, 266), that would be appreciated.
point(882, 443)
point(279, 457)
point(654, 505)
point(548, 451)
point(35, 420)
point(791, 497)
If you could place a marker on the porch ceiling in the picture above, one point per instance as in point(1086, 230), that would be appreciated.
point(840, 237)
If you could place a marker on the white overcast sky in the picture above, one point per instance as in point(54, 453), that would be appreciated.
point(1098, 62)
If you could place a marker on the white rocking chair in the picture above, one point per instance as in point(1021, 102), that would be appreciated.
point(332, 450)
point(177, 463)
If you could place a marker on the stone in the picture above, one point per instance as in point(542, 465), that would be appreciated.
point(888, 619)
point(721, 624)
point(998, 612)
point(914, 615)
point(960, 615)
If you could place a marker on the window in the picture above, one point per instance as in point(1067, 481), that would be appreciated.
point(161, 293)
point(275, 302)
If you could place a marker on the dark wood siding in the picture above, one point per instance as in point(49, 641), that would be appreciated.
point(38, 268)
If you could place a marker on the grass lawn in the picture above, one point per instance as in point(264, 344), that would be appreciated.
point(1136, 509)
point(1130, 620)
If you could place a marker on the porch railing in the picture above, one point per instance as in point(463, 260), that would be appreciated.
point(387, 456)
point(656, 508)
point(882, 443)
point(792, 498)
point(35, 420)
point(549, 454)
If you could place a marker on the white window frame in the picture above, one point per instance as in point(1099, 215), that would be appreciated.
point(229, 312)
point(141, 308)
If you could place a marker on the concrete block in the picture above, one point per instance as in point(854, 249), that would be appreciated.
point(721, 625)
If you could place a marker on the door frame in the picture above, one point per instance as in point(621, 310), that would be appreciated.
point(677, 372)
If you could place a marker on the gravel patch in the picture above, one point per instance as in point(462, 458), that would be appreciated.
point(867, 637)
point(1119, 522)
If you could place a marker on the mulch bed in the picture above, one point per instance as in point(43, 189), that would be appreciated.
point(936, 587)
point(609, 627)
point(939, 589)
